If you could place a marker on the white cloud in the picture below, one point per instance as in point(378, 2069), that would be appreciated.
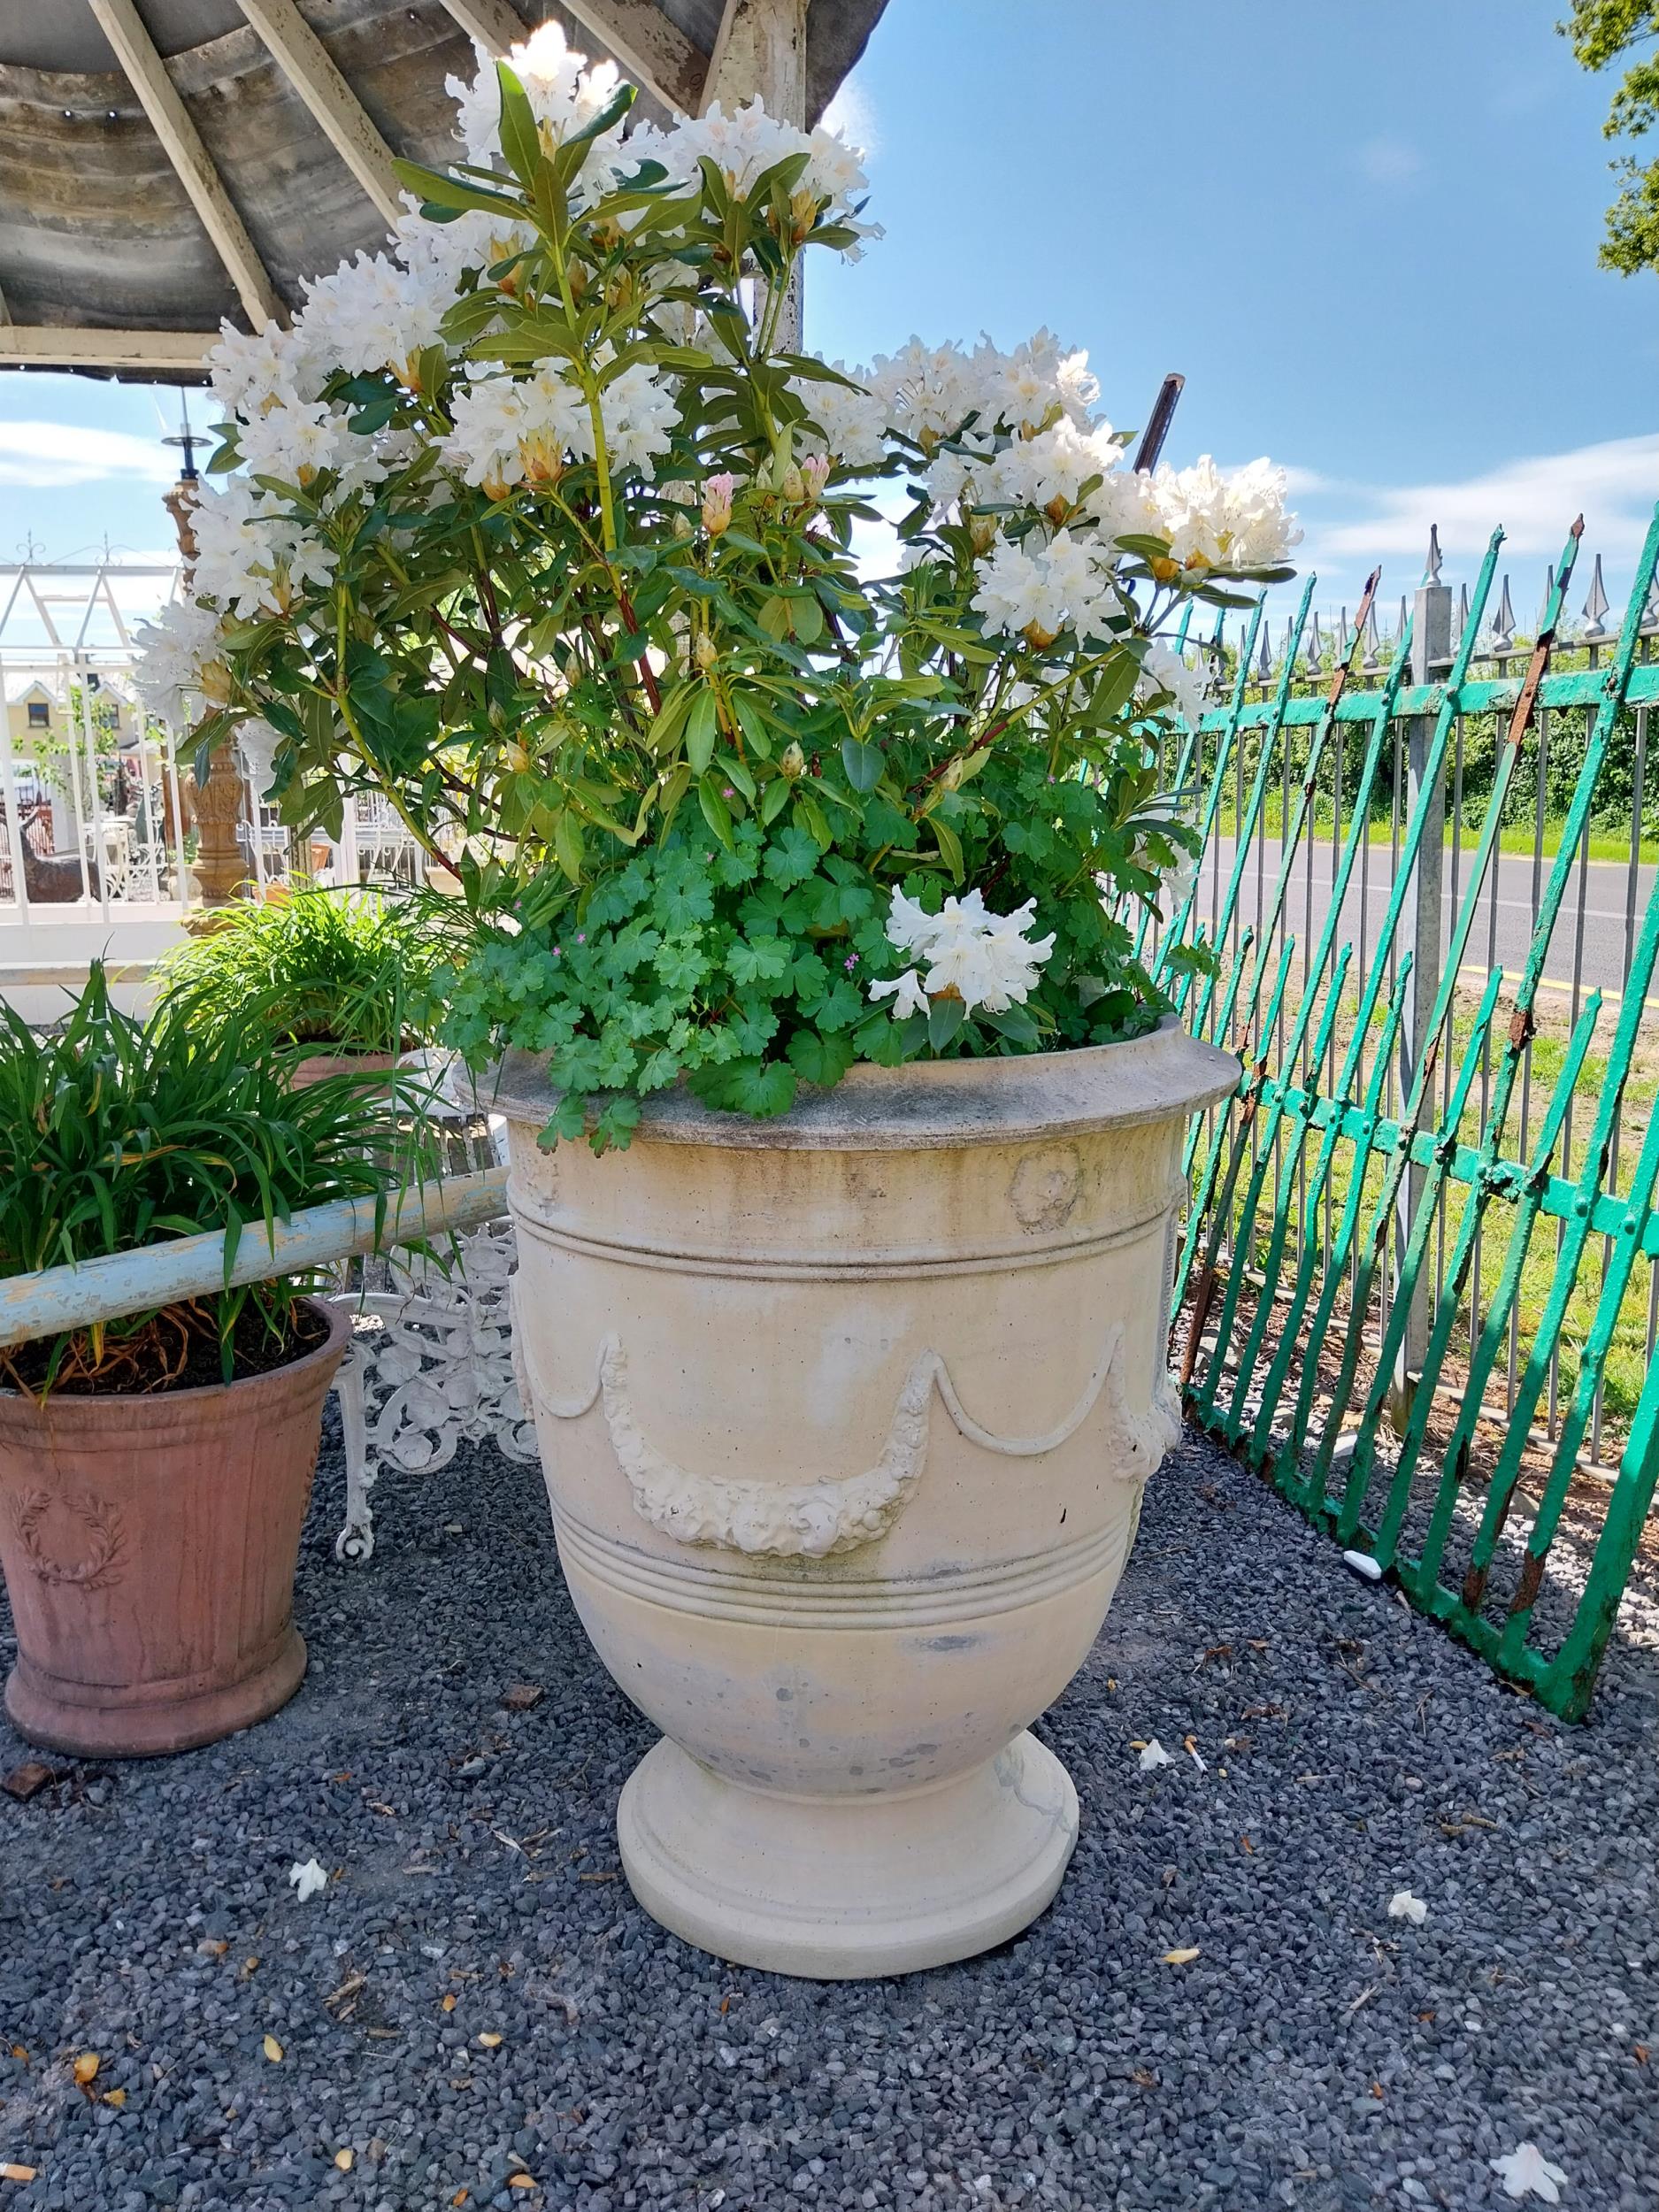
point(1612, 484)
point(1389, 161)
point(54, 455)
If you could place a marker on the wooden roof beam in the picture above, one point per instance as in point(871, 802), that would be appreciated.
point(650, 50)
point(760, 48)
point(154, 353)
point(181, 142)
point(494, 25)
point(307, 64)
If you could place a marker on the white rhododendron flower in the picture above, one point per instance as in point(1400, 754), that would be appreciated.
point(854, 422)
point(513, 430)
point(564, 94)
point(295, 440)
point(982, 958)
point(248, 375)
point(1023, 387)
point(1035, 591)
point(636, 410)
point(1161, 669)
point(744, 145)
point(371, 313)
point(1403, 1905)
point(252, 555)
point(1525, 2172)
point(1217, 520)
point(174, 650)
point(907, 991)
point(258, 741)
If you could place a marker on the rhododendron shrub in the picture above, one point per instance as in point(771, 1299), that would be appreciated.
point(538, 525)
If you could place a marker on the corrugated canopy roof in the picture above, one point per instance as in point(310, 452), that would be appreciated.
point(167, 163)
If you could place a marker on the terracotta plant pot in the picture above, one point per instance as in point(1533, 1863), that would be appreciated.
point(845, 1418)
point(149, 1544)
point(316, 1066)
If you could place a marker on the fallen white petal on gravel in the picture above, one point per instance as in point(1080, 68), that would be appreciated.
point(1525, 2172)
point(1155, 1756)
point(308, 1878)
point(1363, 1565)
point(1403, 1905)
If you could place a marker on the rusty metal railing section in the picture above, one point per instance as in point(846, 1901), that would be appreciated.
point(1418, 1288)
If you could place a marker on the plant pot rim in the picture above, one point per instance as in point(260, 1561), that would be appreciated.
point(104, 1408)
point(929, 1104)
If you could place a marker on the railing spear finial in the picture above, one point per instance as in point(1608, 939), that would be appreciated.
point(1503, 621)
point(1431, 567)
point(1597, 605)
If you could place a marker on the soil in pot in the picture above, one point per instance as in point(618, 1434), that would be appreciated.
point(149, 1538)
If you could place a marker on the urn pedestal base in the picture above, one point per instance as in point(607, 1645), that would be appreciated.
point(837, 1889)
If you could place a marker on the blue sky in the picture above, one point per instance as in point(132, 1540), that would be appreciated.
point(1367, 235)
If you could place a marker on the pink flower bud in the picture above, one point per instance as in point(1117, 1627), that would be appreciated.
point(716, 503)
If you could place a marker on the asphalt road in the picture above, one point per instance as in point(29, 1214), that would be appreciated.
point(1590, 932)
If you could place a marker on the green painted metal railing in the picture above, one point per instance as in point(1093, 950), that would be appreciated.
point(1490, 1435)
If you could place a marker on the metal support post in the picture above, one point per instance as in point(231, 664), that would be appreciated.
point(1431, 658)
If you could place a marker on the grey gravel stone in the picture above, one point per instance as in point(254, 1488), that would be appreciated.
point(1316, 2055)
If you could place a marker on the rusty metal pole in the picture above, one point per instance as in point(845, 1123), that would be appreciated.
point(1431, 659)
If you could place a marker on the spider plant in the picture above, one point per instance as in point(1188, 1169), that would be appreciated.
point(347, 971)
point(117, 1133)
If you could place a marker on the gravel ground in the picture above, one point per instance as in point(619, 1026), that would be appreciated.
point(1314, 2054)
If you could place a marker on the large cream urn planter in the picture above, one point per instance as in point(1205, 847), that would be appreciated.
point(846, 1419)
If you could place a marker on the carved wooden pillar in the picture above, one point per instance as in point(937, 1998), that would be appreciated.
point(221, 869)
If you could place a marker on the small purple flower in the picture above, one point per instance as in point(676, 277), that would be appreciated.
point(850, 963)
point(727, 793)
point(557, 949)
point(581, 936)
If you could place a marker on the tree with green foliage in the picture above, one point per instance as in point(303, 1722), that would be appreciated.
point(1604, 32)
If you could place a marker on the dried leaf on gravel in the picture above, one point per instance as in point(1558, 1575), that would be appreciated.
point(117, 2097)
point(274, 2050)
point(1638, 2052)
point(23, 1782)
point(1182, 1957)
point(523, 1697)
point(522, 2181)
point(86, 2068)
point(18, 2173)
point(345, 2160)
point(449, 2001)
point(489, 2039)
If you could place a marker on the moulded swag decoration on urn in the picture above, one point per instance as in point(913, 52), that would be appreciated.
point(814, 1519)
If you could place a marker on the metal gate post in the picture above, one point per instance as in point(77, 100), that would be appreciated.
point(1431, 659)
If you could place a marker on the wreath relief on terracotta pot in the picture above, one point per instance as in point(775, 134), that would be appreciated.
point(105, 1538)
point(814, 1519)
